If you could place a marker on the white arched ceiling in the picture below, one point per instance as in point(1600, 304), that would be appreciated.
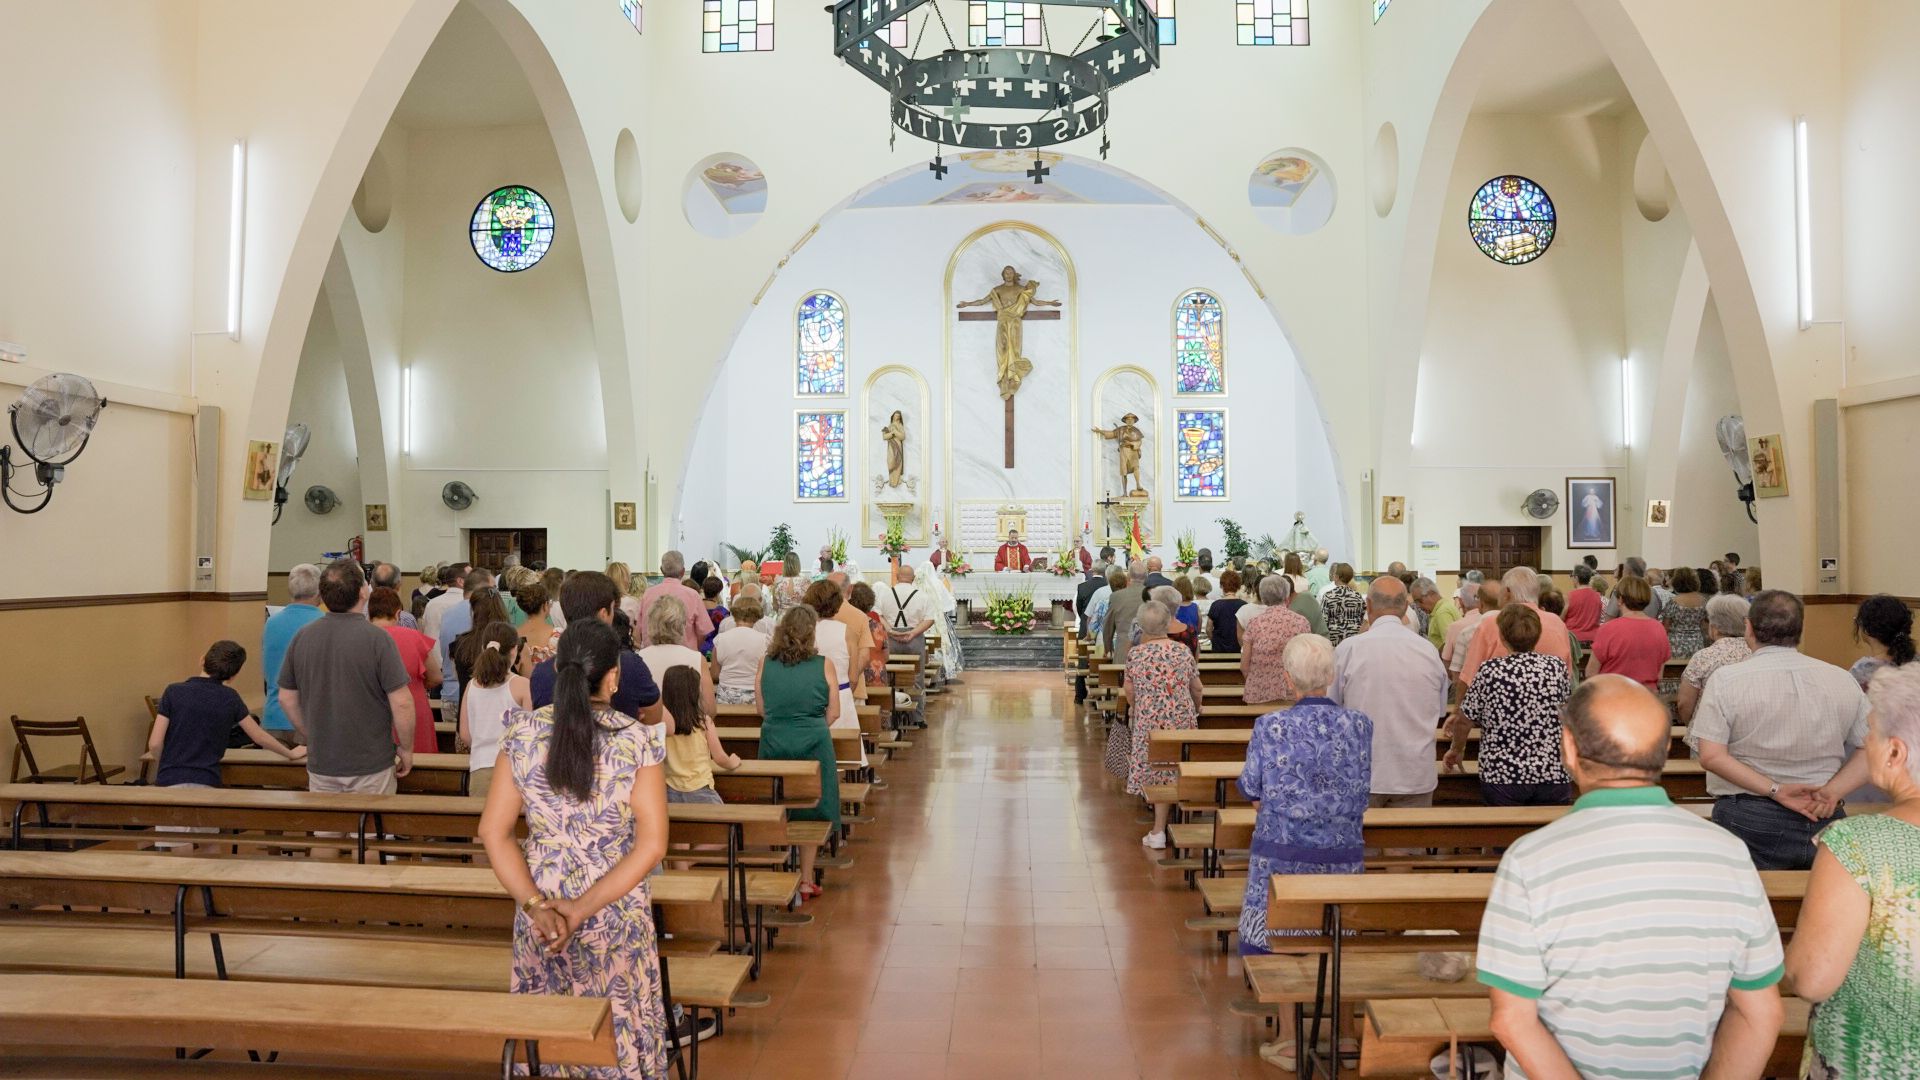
point(1656, 470)
point(1428, 217)
point(363, 396)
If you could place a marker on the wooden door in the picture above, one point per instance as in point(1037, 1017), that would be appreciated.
point(1495, 549)
point(492, 546)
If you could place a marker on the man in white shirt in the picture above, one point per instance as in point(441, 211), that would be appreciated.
point(1394, 676)
point(766, 623)
point(453, 578)
point(907, 611)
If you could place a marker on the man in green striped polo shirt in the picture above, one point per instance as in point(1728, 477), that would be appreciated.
point(1630, 938)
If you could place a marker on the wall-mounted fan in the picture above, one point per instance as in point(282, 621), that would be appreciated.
point(291, 449)
point(52, 422)
point(320, 499)
point(1541, 504)
point(1731, 431)
point(458, 496)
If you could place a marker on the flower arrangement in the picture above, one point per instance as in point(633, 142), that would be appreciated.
point(1010, 612)
point(837, 546)
point(893, 542)
point(959, 567)
point(1066, 562)
point(1186, 552)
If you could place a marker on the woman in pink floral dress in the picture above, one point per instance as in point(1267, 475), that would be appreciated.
point(1163, 694)
point(592, 784)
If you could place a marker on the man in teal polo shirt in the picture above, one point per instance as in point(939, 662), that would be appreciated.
point(303, 607)
point(1630, 938)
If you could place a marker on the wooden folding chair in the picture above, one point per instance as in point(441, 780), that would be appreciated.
point(147, 759)
point(24, 731)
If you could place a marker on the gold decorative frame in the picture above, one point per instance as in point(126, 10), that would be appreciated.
point(846, 343)
point(1152, 447)
point(1007, 503)
point(869, 530)
point(1173, 343)
point(1073, 362)
point(1226, 482)
point(793, 449)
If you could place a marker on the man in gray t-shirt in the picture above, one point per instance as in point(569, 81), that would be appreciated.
point(345, 689)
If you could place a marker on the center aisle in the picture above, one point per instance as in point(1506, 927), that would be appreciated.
point(1001, 920)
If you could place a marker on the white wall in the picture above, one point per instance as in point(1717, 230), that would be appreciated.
point(740, 483)
point(1708, 517)
point(320, 402)
point(1519, 382)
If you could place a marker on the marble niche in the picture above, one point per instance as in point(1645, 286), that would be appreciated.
point(888, 389)
point(1119, 391)
point(1045, 477)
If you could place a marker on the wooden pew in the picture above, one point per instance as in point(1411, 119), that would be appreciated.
point(442, 1027)
point(745, 741)
point(1211, 783)
point(793, 783)
point(1170, 747)
point(1399, 1037)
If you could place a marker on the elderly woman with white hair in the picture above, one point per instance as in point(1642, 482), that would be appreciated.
point(1854, 943)
point(1163, 694)
point(1309, 769)
point(1264, 640)
point(1726, 644)
point(1178, 630)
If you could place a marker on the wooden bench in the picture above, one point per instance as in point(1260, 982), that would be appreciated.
point(1401, 1036)
point(106, 1013)
point(1212, 783)
point(745, 741)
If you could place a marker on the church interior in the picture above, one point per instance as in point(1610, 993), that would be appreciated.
point(997, 311)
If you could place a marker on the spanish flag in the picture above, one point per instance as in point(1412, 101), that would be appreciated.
point(1136, 542)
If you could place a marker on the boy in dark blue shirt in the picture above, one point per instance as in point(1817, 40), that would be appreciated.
point(199, 720)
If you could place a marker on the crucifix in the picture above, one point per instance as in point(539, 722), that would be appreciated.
point(1011, 301)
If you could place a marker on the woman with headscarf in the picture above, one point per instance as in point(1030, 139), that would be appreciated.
point(928, 577)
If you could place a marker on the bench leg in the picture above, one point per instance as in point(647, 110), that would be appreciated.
point(533, 1057)
point(506, 1060)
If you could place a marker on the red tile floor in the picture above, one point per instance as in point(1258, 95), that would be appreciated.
point(1001, 920)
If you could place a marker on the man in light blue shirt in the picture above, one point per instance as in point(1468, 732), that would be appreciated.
point(457, 620)
point(1394, 676)
point(1321, 575)
point(303, 590)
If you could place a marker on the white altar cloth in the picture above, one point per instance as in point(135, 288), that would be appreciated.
point(1046, 588)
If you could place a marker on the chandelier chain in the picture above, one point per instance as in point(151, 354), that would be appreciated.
point(944, 28)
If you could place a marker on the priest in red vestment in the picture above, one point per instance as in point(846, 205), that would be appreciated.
point(1013, 554)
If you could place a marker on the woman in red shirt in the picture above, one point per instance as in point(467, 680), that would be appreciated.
point(421, 660)
point(1633, 644)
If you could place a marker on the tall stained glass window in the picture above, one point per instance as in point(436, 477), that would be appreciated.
point(1003, 22)
point(1272, 22)
point(820, 456)
point(1199, 344)
point(512, 229)
point(1163, 10)
point(736, 26)
point(1380, 8)
point(820, 345)
point(1511, 219)
point(631, 9)
point(1200, 454)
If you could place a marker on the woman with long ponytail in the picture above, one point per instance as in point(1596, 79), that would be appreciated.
point(586, 920)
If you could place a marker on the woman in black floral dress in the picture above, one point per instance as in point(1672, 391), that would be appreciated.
point(1516, 701)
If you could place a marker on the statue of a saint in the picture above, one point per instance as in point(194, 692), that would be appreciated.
point(895, 433)
point(1130, 439)
point(1010, 300)
point(1300, 538)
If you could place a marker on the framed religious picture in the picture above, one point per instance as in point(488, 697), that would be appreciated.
point(626, 516)
point(1393, 509)
point(1590, 519)
point(1769, 459)
point(263, 467)
point(1657, 513)
point(376, 517)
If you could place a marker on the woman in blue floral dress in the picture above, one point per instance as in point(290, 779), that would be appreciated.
point(593, 788)
point(1309, 768)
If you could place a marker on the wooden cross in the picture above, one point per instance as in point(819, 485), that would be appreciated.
point(1032, 315)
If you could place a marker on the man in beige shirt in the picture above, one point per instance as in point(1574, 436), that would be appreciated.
point(859, 636)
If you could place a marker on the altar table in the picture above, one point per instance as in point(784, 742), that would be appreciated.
point(1047, 588)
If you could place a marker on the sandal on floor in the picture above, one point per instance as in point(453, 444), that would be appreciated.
point(810, 891)
point(1281, 1052)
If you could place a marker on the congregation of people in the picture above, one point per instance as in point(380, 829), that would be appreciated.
point(1571, 699)
point(586, 702)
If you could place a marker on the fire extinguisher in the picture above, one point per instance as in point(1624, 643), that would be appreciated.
point(357, 549)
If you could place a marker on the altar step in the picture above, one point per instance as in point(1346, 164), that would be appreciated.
point(982, 650)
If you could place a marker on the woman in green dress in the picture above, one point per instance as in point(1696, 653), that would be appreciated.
point(798, 697)
point(1855, 945)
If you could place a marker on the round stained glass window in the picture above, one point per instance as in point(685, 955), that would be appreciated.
point(512, 229)
point(1511, 220)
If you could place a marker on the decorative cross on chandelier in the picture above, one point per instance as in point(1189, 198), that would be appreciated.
point(999, 97)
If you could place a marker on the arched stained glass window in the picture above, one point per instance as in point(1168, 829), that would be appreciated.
point(820, 457)
point(820, 345)
point(1511, 219)
point(1199, 344)
point(512, 229)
